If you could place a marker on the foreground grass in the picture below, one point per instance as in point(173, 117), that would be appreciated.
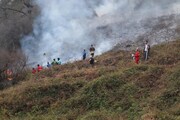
point(115, 89)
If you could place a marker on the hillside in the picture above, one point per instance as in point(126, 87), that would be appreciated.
point(115, 89)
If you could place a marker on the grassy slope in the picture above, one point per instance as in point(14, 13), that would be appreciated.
point(114, 89)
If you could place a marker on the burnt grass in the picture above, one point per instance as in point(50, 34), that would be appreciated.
point(114, 89)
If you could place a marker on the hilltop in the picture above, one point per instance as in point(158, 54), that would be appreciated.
point(115, 89)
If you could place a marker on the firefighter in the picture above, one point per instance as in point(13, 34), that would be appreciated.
point(137, 56)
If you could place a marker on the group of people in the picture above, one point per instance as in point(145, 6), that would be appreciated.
point(135, 57)
point(40, 68)
point(58, 61)
point(92, 52)
point(146, 53)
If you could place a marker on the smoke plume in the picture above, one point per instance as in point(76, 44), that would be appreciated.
point(66, 27)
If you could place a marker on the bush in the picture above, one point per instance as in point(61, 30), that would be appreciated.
point(12, 67)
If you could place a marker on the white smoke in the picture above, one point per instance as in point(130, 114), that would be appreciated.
point(66, 27)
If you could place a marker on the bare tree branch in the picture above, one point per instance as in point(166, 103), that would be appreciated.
point(11, 9)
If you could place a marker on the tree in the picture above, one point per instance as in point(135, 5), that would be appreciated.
point(12, 67)
point(16, 21)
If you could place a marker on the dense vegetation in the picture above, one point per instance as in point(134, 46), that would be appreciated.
point(115, 89)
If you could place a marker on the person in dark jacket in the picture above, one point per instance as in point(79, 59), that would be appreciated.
point(84, 54)
point(48, 65)
point(92, 50)
point(91, 61)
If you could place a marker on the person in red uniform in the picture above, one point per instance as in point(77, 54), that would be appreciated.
point(137, 56)
point(33, 71)
point(39, 68)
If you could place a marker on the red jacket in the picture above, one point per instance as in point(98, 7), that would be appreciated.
point(33, 71)
point(137, 55)
point(39, 68)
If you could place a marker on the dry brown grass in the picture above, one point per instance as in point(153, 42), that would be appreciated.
point(115, 88)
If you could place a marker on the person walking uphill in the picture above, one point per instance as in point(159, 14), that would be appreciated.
point(84, 54)
point(137, 56)
point(92, 50)
point(146, 51)
point(48, 65)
